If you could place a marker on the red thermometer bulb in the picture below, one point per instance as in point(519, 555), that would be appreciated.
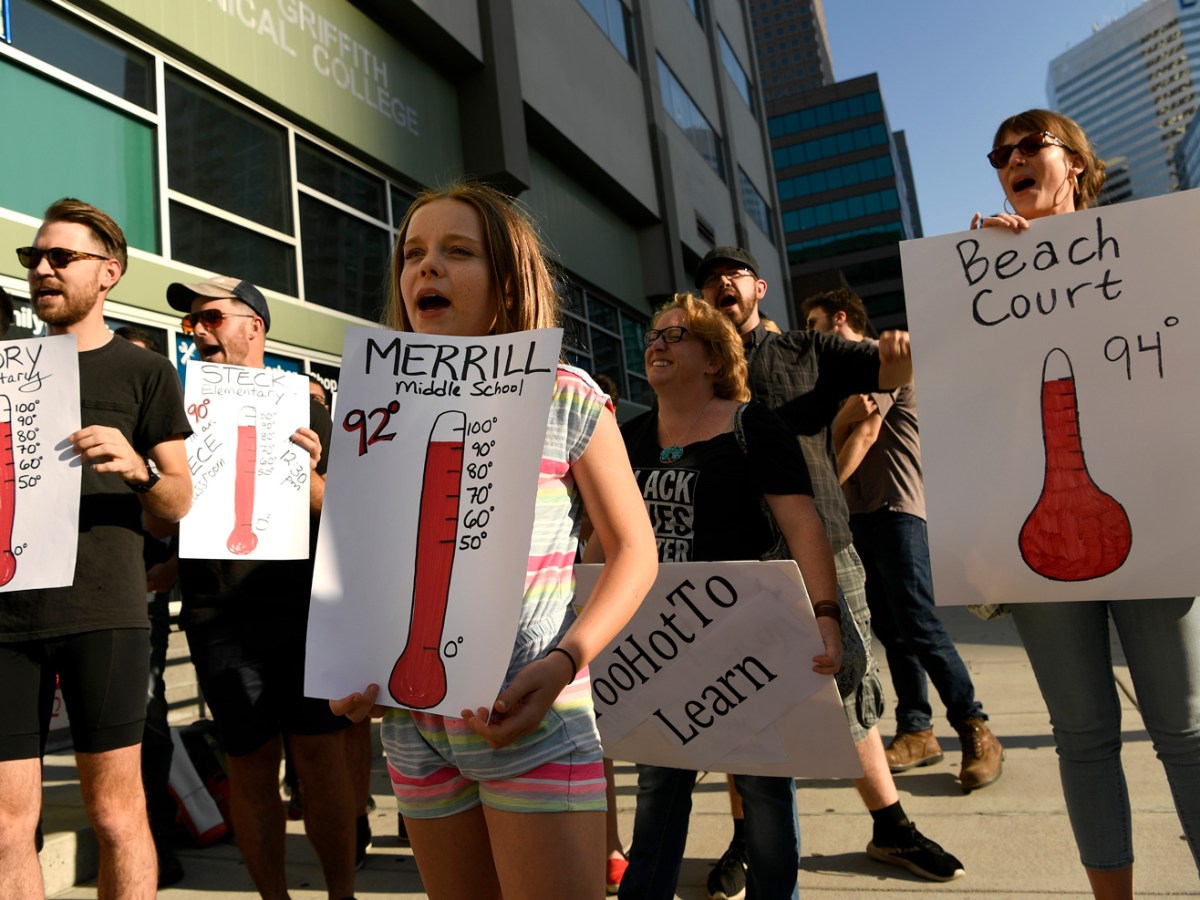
point(1076, 531)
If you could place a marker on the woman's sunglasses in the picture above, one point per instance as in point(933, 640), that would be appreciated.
point(1030, 145)
point(59, 257)
point(672, 334)
point(211, 319)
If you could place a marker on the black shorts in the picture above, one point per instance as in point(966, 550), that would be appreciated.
point(103, 676)
point(252, 675)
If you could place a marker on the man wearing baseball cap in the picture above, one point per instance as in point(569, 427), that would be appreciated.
point(804, 376)
point(246, 622)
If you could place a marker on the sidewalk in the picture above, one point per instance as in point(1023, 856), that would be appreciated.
point(1013, 837)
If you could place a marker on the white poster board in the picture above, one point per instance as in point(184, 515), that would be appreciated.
point(1053, 369)
point(714, 673)
point(429, 502)
point(40, 473)
point(250, 490)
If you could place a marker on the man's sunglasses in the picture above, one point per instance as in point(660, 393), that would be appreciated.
point(1030, 145)
point(60, 257)
point(672, 334)
point(210, 318)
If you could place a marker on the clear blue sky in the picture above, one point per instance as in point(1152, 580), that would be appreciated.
point(951, 71)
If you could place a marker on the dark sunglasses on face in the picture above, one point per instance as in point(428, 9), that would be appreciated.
point(210, 318)
point(59, 257)
point(672, 334)
point(1030, 145)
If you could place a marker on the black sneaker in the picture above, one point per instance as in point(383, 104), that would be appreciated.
point(918, 854)
point(727, 880)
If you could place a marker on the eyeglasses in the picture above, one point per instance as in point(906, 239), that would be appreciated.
point(60, 257)
point(715, 277)
point(672, 334)
point(1030, 145)
point(211, 319)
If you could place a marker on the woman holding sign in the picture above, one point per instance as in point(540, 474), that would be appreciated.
point(510, 801)
point(722, 472)
point(1046, 166)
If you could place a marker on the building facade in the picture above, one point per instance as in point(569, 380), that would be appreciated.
point(793, 46)
point(282, 141)
point(845, 194)
point(1131, 86)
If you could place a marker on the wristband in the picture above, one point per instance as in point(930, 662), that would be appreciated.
point(828, 609)
point(567, 654)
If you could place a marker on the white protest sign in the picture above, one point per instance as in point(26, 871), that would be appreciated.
point(40, 472)
point(1052, 366)
point(714, 672)
point(250, 491)
point(429, 504)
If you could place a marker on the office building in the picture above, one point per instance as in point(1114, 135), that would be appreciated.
point(845, 182)
point(793, 46)
point(845, 194)
point(282, 142)
point(1131, 86)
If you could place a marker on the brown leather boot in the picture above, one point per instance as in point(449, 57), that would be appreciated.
point(912, 749)
point(982, 755)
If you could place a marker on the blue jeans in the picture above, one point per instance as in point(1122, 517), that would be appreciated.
point(660, 827)
point(894, 548)
point(1068, 646)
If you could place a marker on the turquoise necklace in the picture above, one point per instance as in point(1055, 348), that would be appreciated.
point(674, 451)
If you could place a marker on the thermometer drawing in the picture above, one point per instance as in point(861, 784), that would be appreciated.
point(418, 679)
point(8, 493)
point(242, 539)
point(1076, 531)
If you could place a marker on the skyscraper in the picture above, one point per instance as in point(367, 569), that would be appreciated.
point(845, 184)
point(1131, 86)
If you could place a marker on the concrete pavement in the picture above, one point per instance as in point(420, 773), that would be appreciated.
point(1013, 836)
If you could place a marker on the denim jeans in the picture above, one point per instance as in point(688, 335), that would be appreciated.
point(894, 548)
point(1068, 646)
point(660, 827)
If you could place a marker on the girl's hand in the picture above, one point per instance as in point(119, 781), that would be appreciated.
point(523, 704)
point(359, 706)
point(829, 662)
point(1011, 221)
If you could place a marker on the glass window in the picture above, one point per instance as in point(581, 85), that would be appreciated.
point(755, 204)
point(345, 260)
point(72, 45)
point(680, 107)
point(733, 68)
point(213, 243)
point(614, 20)
point(856, 106)
point(400, 204)
point(115, 167)
point(340, 180)
point(220, 152)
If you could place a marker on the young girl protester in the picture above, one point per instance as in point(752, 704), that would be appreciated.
point(514, 806)
point(1046, 166)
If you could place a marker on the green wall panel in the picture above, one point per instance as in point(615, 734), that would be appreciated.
point(63, 144)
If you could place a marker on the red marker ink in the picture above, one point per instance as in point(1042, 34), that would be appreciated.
point(1076, 531)
point(8, 493)
point(419, 676)
point(242, 539)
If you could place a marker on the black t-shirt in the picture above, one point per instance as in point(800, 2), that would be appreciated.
point(213, 589)
point(138, 393)
point(707, 506)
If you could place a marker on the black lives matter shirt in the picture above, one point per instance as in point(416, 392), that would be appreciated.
point(707, 506)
